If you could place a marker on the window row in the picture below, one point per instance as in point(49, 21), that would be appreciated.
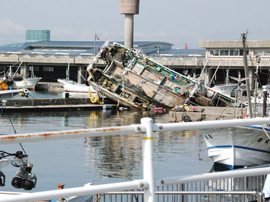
point(262, 52)
point(226, 52)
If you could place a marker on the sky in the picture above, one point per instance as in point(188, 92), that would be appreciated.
point(175, 21)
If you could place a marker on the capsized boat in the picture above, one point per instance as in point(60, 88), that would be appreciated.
point(158, 84)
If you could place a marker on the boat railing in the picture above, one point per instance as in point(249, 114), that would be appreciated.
point(238, 185)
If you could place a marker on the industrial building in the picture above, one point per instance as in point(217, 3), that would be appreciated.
point(49, 59)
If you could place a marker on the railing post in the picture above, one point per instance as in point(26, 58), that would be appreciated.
point(147, 155)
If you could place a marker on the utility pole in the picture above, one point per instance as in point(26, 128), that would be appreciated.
point(258, 59)
point(246, 73)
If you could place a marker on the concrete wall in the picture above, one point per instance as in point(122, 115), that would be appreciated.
point(235, 44)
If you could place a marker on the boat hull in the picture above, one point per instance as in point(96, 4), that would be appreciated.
point(238, 146)
point(29, 83)
point(225, 89)
point(71, 86)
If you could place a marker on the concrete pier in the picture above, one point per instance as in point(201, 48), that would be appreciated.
point(203, 113)
point(52, 104)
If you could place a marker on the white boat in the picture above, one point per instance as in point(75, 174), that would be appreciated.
point(16, 81)
point(226, 89)
point(238, 146)
point(71, 86)
point(29, 83)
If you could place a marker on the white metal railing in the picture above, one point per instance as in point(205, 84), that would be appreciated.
point(238, 185)
point(147, 184)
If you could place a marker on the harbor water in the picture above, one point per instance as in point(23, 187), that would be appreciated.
point(99, 160)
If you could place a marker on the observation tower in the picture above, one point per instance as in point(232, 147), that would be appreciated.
point(129, 8)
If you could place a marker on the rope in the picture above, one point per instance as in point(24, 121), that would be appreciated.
point(265, 133)
point(94, 99)
point(54, 101)
point(84, 100)
point(23, 83)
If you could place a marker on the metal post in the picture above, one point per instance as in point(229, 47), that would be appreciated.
point(79, 74)
point(147, 149)
point(264, 102)
point(67, 72)
point(95, 43)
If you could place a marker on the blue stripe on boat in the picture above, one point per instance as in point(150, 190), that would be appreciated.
point(258, 127)
point(241, 147)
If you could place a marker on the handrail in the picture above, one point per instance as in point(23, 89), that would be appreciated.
point(78, 191)
point(214, 176)
point(121, 130)
point(146, 128)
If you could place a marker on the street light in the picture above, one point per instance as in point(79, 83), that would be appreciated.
point(96, 38)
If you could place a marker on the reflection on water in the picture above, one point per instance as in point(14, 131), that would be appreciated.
point(105, 159)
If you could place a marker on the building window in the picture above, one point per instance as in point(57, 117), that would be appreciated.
point(227, 52)
point(258, 52)
point(224, 52)
point(36, 69)
point(266, 52)
point(214, 52)
point(234, 52)
point(48, 69)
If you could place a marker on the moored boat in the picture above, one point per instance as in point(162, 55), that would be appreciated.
point(29, 83)
point(238, 146)
point(16, 81)
point(71, 86)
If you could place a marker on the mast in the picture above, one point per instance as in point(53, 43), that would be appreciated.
point(246, 74)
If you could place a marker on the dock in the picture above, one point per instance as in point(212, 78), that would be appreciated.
point(53, 104)
point(203, 113)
